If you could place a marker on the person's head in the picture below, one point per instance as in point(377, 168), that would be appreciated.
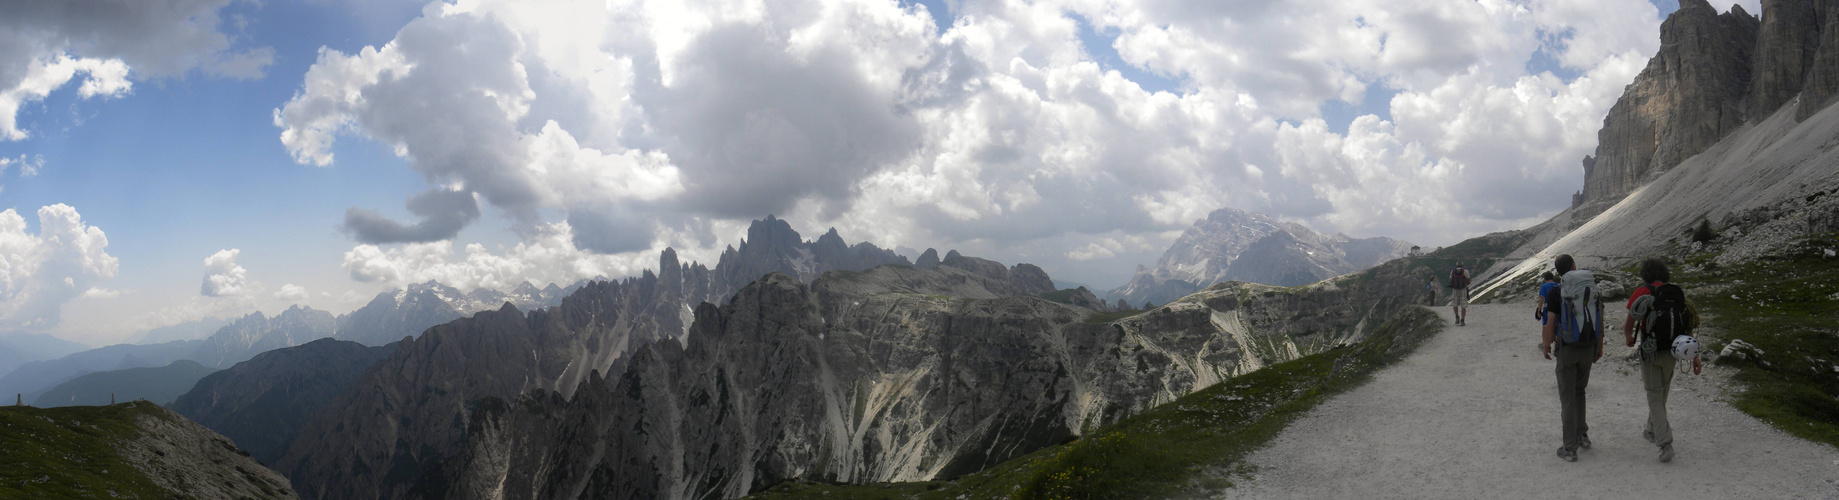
point(1654, 270)
point(1550, 277)
point(1458, 265)
point(1564, 264)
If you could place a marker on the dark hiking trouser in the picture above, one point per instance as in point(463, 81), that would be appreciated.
point(1573, 376)
point(1657, 376)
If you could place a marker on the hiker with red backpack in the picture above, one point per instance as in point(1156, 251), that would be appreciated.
point(1459, 294)
point(1574, 322)
point(1665, 324)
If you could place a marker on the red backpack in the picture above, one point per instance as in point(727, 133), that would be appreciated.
point(1458, 279)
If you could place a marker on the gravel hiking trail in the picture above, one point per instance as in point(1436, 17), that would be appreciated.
point(1474, 414)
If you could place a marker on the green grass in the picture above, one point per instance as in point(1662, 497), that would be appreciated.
point(69, 452)
point(1789, 309)
point(1177, 449)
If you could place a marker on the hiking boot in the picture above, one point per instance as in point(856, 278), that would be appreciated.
point(1583, 441)
point(1570, 455)
point(1666, 453)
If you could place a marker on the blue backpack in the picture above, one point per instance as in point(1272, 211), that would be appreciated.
point(1580, 319)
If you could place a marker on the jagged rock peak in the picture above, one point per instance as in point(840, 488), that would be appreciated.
point(928, 260)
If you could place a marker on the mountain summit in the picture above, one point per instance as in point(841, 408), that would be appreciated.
point(1234, 245)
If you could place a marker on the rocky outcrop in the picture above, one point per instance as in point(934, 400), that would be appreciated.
point(883, 376)
point(928, 260)
point(129, 450)
point(1822, 86)
point(1713, 75)
point(362, 447)
point(263, 402)
point(1687, 98)
point(1785, 46)
point(1207, 252)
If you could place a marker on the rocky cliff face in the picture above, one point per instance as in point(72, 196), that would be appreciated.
point(895, 374)
point(363, 444)
point(262, 403)
point(1713, 74)
point(1208, 252)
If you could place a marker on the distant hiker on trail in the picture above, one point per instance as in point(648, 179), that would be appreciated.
point(1665, 326)
point(1574, 321)
point(1430, 291)
point(1459, 294)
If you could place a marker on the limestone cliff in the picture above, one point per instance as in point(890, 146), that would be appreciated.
point(1713, 75)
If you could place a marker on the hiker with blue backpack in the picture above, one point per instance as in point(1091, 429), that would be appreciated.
point(1574, 322)
point(1659, 313)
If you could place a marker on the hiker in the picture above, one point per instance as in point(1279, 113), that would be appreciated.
point(1573, 320)
point(1548, 281)
point(1430, 290)
point(1459, 294)
point(1659, 311)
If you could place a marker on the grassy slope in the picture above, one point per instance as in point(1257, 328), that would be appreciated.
point(1160, 452)
point(1789, 309)
point(70, 452)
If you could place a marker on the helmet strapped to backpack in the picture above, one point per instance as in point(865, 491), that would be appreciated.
point(1581, 310)
point(1685, 347)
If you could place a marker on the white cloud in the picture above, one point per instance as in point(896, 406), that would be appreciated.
point(292, 293)
point(646, 121)
point(45, 45)
point(40, 272)
point(550, 257)
point(222, 277)
point(102, 293)
point(28, 166)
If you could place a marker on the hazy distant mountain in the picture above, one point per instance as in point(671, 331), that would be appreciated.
point(190, 330)
point(261, 403)
point(1212, 249)
point(32, 379)
point(407, 311)
point(256, 333)
point(159, 385)
point(19, 348)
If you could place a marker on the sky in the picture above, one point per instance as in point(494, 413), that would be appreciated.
point(163, 161)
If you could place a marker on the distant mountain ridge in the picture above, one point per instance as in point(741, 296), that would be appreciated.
point(160, 385)
point(1235, 245)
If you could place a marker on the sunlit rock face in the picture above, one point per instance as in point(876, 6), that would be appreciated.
point(1714, 74)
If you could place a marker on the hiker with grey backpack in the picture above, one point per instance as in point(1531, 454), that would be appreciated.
point(1459, 295)
point(1664, 320)
point(1574, 324)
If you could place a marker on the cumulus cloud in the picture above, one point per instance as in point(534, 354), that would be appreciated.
point(40, 272)
point(46, 45)
point(550, 257)
point(643, 120)
point(222, 277)
point(292, 293)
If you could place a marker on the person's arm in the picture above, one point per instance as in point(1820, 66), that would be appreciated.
point(1628, 330)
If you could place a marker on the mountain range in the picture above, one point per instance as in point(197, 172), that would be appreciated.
point(1234, 245)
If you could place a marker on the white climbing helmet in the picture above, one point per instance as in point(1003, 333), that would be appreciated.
point(1685, 347)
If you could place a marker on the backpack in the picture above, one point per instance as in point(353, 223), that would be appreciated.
point(1458, 279)
point(1580, 318)
point(1668, 317)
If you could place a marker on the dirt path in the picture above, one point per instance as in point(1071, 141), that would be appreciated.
point(1474, 414)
